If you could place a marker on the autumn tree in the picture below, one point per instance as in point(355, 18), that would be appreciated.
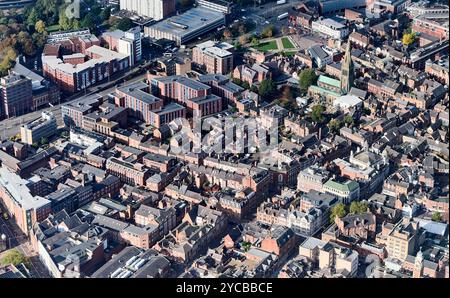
point(40, 27)
point(243, 39)
point(287, 93)
point(436, 217)
point(268, 31)
point(227, 34)
point(26, 43)
point(408, 38)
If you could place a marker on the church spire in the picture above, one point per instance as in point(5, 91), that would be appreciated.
point(347, 71)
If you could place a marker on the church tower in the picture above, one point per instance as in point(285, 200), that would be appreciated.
point(418, 265)
point(347, 71)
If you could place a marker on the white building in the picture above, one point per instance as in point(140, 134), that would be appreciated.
point(307, 223)
point(35, 130)
point(320, 56)
point(131, 45)
point(155, 9)
point(331, 28)
point(187, 26)
point(347, 101)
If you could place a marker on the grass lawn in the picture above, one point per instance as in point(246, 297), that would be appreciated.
point(53, 28)
point(287, 44)
point(267, 46)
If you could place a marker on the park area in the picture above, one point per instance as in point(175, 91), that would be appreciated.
point(267, 46)
point(287, 44)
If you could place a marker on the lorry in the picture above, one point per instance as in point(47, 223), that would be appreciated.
point(282, 16)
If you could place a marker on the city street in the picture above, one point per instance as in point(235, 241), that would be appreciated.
point(15, 239)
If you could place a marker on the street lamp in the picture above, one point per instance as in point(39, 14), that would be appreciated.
point(3, 239)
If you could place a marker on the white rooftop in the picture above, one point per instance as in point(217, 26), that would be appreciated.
point(347, 101)
point(17, 188)
point(106, 56)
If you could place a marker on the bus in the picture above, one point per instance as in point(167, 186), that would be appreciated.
point(282, 16)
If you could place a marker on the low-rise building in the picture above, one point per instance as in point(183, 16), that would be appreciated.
point(331, 28)
point(347, 191)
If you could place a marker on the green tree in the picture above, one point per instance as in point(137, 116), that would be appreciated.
point(125, 24)
point(105, 14)
point(436, 217)
point(335, 125)
point(267, 88)
point(317, 113)
point(44, 141)
point(14, 257)
point(255, 41)
point(88, 22)
point(75, 24)
point(307, 77)
point(337, 210)
point(64, 22)
point(32, 17)
point(348, 120)
point(39, 27)
point(358, 207)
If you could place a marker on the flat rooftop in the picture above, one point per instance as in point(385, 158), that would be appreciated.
point(136, 90)
point(188, 22)
point(104, 56)
point(17, 188)
point(196, 85)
